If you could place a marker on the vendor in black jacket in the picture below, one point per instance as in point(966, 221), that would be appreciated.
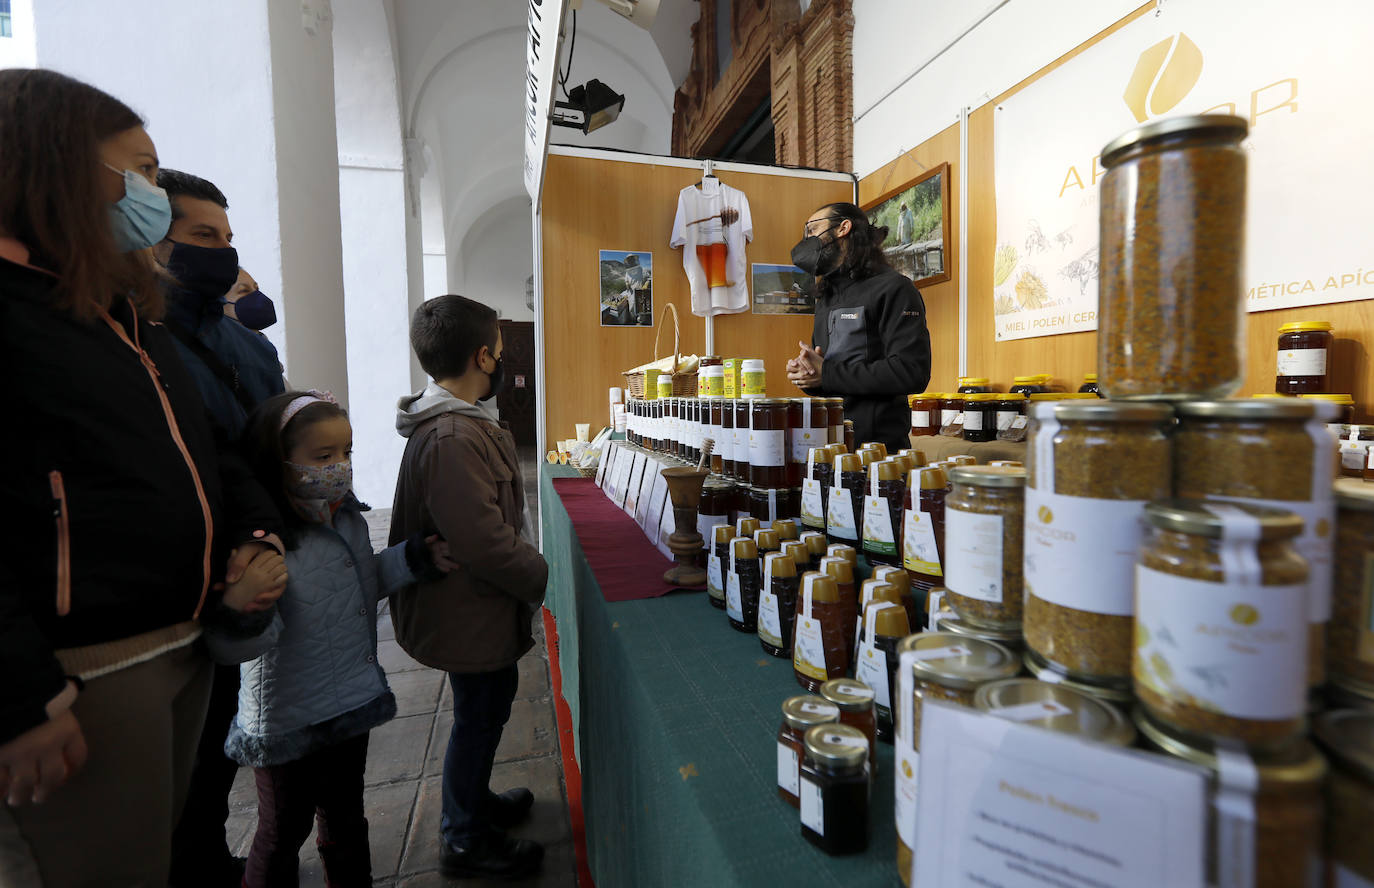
point(870, 344)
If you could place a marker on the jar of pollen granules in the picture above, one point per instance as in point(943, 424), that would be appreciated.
point(1348, 738)
point(1265, 820)
point(1273, 452)
point(1093, 465)
point(1221, 621)
point(1172, 297)
point(1350, 651)
point(984, 529)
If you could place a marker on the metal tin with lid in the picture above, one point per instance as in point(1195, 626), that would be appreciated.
point(808, 710)
point(836, 746)
point(1055, 708)
point(957, 662)
point(1201, 519)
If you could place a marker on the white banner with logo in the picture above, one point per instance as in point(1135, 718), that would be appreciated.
point(544, 22)
point(1298, 74)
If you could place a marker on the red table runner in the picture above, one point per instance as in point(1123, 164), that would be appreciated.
point(627, 566)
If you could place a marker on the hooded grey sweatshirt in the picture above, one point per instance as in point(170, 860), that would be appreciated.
point(434, 400)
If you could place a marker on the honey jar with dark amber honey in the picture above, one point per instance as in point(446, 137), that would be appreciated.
point(846, 498)
point(716, 564)
point(778, 603)
point(798, 714)
point(742, 585)
point(768, 443)
point(820, 641)
point(882, 521)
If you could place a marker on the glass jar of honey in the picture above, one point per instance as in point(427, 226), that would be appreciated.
point(742, 586)
point(715, 431)
point(1005, 411)
point(1304, 347)
point(980, 416)
point(1090, 385)
point(952, 416)
point(969, 385)
point(923, 526)
point(1027, 385)
point(778, 604)
point(925, 412)
point(882, 522)
point(821, 639)
point(807, 427)
point(768, 443)
point(855, 701)
point(786, 528)
point(740, 439)
point(885, 625)
point(846, 498)
point(798, 714)
point(842, 572)
point(815, 543)
point(770, 505)
point(835, 790)
point(726, 445)
point(714, 509)
point(835, 409)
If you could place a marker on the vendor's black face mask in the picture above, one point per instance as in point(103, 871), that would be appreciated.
point(816, 256)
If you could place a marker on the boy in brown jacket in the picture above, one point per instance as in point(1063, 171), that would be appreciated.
point(460, 478)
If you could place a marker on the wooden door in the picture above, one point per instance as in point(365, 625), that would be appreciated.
point(517, 400)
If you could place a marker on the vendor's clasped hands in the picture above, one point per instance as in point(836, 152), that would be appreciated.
point(804, 371)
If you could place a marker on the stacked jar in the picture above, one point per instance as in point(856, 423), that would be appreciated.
point(1350, 653)
point(984, 532)
point(808, 426)
point(1093, 465)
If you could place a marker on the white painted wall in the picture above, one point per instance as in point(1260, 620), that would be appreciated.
point(436, 275)
point(894, 111)
point(498, 250)
point(20, 50)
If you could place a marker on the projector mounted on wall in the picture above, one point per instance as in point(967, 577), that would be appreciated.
point(640, 13)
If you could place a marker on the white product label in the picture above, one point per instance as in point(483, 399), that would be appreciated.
point(1081, 552)
point(827, 709)
point(878, 536)
point(1315, 543)
point(1019, 422)
point(706, 525)
point(840, 520)
point(812, 812)
point(920, 419)
point(1239, 649)
point(767, 448)
point(941, 653)
point(1005, 418)
point(788, 775)
point(725, 443)
point(973, 554)
point(734, 603)
point(715, 585)
point(919, 550)
point(908, 760)
point(1237, 783)
point(872, 671)
point(808, 650)
point(947, 416)
point(812, 507)
point(1354, 454)
point(973, 420)
point(1302, 362)
point(934, 614)
point(1024, 712)
point(802, 442)
point(741, 441)
point(769, 622)
point(836, 434)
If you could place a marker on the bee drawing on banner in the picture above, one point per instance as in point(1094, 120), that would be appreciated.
point(1083, 269)
point(1036, 242)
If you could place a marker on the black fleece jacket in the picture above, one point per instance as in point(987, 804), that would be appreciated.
point(97, 491)
point(876, 348)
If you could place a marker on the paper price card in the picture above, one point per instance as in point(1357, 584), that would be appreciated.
point(607, 457)
point(1017, 806)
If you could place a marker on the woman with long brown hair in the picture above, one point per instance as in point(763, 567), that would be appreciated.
point(122, 507)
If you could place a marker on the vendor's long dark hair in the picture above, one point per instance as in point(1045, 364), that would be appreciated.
point(861, 251)
point(51, 127)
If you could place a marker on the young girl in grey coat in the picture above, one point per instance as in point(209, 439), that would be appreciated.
point(313, 689)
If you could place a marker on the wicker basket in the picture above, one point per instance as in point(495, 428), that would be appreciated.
point(586, 471)
point(684, 384)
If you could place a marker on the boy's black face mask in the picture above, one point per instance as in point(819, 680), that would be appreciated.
point(498, 379)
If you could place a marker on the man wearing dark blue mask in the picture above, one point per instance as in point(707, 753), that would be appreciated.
point(248, 305)
point(235, 369)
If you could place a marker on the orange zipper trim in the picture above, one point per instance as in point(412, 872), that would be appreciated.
point(64, 544)
point(175, 429)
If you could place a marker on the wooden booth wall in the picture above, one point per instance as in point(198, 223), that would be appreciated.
point(594, 204)
point(1069, 356)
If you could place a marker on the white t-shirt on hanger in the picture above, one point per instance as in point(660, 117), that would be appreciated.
point(717, 204)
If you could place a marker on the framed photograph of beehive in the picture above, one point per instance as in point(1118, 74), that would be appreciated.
point(917, 219)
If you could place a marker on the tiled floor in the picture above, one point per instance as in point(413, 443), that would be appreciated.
point(405, 761)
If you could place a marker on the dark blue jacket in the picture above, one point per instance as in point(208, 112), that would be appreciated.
point(248, 356)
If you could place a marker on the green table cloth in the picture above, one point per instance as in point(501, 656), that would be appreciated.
point(675, 716)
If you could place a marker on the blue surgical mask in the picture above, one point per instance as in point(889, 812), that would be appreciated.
point(142, 216)
point(255, 311)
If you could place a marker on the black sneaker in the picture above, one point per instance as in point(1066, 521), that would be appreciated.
point(495, 857)
point(510, 808)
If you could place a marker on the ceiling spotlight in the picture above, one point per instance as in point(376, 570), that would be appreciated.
point(589, 107)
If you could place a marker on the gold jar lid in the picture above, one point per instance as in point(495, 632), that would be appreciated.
point(1201, 518)
point(767, 540)
point(894, 575)
point(1334, 399)
point(881, 591)
point(745, 527)
point(981, 397)
point(838, 568)
point(958, 662)
point(768, 402)
point(786, 528)
point(1185, 124)
point(849, 462)
point(891, 621)
point(923, 396)
point(821, 586)
point(1089, 377)
point(1048, 396)
point(835, 450)
point(963, 459)
point(954, 396)
point(722, 533)
point(904, 464)
point(917, 457)
point(743, 547)
point(814, 541)
point(1348, 737)
point(850, 694)
point(974, 380)
point(1012, 396)
point(1295, 764)
point(989, 476)
point(1251, 410)
point(836, 746)
point(796, 550)
point(1063, 710)
point(929, 478)
point(840, 550)
point(1095, 409)
point(869, 457)
point(1025, 380)
point(808, 710)
point(1352, 493)
point(781, 564)
point(1306, 327)
point(886, 470)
